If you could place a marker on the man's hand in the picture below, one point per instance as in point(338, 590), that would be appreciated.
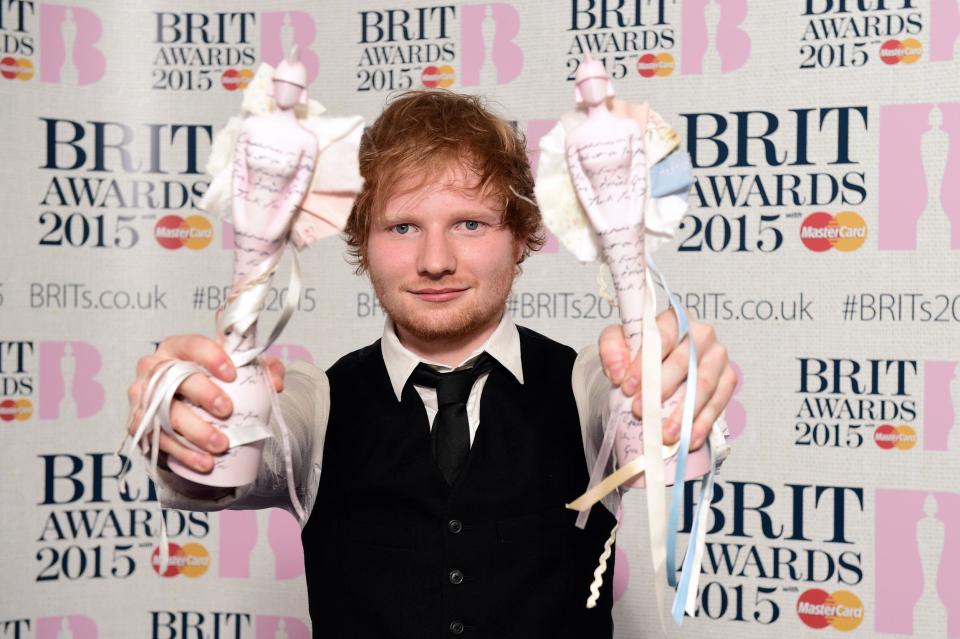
point(199, 390)
point(715, 381)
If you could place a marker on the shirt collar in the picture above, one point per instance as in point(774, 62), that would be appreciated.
point(503, 345)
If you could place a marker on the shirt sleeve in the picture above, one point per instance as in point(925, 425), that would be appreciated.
point(305, 406)
point(591, 389)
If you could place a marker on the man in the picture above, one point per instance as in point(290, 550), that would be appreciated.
point(436, 462)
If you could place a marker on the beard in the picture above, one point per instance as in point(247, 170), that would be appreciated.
point(452, 320)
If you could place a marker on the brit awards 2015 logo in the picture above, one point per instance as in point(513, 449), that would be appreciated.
point(917, 550)
point(422, 47)
point(846, 402)
point(919, 177)
point(775, 166)
point(200, 51)
point(112, 184)
point(65, 40)
point(855, 33)
point(61, 377)
point(641, 39)
point(61, 627)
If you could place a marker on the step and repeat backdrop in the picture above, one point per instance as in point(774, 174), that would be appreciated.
point(823, 242)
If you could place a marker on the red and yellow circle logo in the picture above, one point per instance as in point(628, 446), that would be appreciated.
point(194, 232)
point(189, 560)
point(902, 437)
point(660, 65)
point(895, 51)
point(846, 231)
point(434, 76)
point(16, 68)
point(818, 609)
point(233, 79)
point(16, 409)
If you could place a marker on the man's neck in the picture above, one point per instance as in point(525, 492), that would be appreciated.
point(448, 351)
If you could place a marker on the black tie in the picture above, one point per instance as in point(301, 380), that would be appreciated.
point(450, 434)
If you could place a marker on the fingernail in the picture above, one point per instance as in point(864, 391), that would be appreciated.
point(221, 406)
point(616, 371)
point(696, 443)
point(226, 372)
point(203, 462)
point(218, 442)
point(671, 432)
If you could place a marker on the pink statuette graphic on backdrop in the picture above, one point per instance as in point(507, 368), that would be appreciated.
point(270, 627)
point(919, 173)
point(489, 54)
point(260, 544)
point(944, 30)
point(68, 45)
point(68, 383)
point(68, 627)
point(713, 37)
point(280, 31)
point(917, 550)
point(939, 415)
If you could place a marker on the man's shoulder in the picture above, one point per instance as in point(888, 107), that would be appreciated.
point(543, 346)
point(360, 357)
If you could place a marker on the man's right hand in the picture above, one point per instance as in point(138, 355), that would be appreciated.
point(199, 390)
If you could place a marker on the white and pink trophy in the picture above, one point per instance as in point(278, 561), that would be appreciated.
point(282, 174)
point(612, 185)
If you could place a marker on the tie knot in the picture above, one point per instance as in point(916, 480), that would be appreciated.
point(453, 387)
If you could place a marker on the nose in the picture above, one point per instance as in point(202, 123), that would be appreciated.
point(437, 256)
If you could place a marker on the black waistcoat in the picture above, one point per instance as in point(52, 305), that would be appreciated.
point(391, 551)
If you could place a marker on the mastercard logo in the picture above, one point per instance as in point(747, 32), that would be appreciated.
point(660, 64)
point(845, 231)
point(818, 609)
point(16, 68)
point(172, 232)
point(895, 51)
point(233, 79)
point(901, 437)
point(15, 409)
point(442, 76)
point(189, 560)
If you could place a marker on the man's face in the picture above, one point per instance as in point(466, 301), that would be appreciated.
point(439, 259)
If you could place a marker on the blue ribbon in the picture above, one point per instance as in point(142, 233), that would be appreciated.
point(686, 430)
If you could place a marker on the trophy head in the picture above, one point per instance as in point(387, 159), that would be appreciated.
point(289, 85)
point(593, 85)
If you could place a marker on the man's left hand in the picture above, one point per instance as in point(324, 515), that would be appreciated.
point(715, 381)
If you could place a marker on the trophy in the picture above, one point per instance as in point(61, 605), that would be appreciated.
point(612, 187)
point(282, 174)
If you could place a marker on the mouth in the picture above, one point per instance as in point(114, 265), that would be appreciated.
point(438, 294)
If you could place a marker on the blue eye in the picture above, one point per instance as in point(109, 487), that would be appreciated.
point(471, 225)
point(401, 228)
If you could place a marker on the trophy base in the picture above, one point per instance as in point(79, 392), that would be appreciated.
point(236, 467)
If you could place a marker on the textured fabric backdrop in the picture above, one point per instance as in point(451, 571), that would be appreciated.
point(823, 243)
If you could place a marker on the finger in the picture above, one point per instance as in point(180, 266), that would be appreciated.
point(196, 429)
point(614, 353)
point(668, 329)
point(277, 371)
point(201, 350)
point(147, 363)
point(200, 390)
point(712, 409)
point(709, 373)
point(198, 461)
